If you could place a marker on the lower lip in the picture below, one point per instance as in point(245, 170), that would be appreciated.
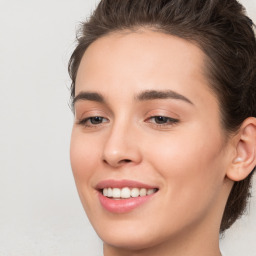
point(123, 205)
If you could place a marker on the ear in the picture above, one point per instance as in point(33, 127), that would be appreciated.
point(245, 151)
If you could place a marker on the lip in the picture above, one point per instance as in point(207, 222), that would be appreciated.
point(122, 205)
point(122, 184)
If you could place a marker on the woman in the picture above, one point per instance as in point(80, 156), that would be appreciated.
point(163, 146)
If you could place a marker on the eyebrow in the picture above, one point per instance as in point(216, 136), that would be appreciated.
point(142, 96)
point(91, 96)
point(166, 94)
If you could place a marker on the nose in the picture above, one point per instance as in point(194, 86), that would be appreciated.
point(121, 146)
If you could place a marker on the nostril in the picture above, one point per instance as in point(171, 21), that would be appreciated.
point(119, 163)
point(126, 161)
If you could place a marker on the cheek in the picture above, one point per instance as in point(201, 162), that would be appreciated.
point(191, 164)
point(84, 156)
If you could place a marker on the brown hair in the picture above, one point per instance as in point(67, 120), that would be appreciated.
point(224, 33)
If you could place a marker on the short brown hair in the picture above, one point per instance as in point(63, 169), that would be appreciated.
point(224, 33)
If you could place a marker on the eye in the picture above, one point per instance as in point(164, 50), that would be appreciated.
point(162, 120)
point(96, 119)
point(92, 121)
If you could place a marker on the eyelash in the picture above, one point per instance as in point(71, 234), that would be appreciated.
point(168, 121)
point(85, 121)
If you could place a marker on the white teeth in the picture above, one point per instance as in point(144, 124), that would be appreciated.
point(127, 192)
point(143, 192)
point(150, 191)
point(116, 192)
point(135, 192)
point(105, 192)
point(110, 193)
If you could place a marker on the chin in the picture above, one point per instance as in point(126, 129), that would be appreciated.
point(129, 241)
point(130, 235)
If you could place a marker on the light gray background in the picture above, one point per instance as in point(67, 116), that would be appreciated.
point(40, 212)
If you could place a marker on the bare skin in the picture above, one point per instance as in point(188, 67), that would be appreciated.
point(174, 143)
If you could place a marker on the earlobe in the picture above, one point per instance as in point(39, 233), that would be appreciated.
point(245, 158)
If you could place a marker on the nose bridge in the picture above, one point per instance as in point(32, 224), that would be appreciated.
point(120, 146)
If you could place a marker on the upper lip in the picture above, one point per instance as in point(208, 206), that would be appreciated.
point(122, 183)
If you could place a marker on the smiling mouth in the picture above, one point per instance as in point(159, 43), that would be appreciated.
point(126, 192)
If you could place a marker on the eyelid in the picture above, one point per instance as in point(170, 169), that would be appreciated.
point(92, 112)
point(171, 119)
point(87, 123)
point(83, 108)
point(162, 112)
point(83, 118)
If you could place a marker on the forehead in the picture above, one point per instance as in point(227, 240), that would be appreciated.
point(140, 60)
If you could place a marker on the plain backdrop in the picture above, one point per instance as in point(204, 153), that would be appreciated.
point(40, 212)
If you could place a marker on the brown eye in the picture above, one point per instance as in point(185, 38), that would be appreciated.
point(92, 121)
point(96, 120)
point(162, 120)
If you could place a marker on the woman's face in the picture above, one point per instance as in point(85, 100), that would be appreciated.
point(146, 121)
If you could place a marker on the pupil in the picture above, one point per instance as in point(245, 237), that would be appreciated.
point(96, 120)
point(161, 119)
